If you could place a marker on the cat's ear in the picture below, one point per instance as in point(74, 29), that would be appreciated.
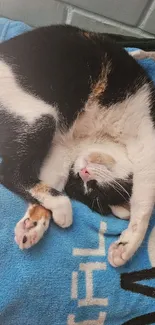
point(102, 159)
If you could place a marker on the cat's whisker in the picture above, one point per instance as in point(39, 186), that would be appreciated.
point(110, 183)
point(99, 205)
point(106, 175)
point(70, 184)
point(115, 187)
point(119, 192)
point(119, 185)
point(93, 202)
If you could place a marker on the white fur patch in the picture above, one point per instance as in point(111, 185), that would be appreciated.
point(19, 102)
point(151, 246)
point(120, 212)
point(55, 169)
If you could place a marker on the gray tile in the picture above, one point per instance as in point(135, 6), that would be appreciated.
point(34, 13)
point(90, 23)
point(149, 23)
point(127, 11)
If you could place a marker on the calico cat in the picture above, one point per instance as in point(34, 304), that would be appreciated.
point(75, 108)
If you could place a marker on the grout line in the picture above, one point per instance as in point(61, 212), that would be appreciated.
point(145, 12)
point(107, 21)
point(70, 11)
point(65, 14)
point(150, 9)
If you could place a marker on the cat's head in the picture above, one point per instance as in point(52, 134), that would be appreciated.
point(101, 176)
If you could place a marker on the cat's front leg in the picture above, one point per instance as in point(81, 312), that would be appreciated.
point(53, 200)
point(142, 203)
point(31, 228)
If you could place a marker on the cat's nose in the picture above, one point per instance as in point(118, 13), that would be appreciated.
point(84, 174)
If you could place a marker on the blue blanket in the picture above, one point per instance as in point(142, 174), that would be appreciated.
point(66, 278)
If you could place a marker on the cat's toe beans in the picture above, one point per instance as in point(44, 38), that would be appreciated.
point(28, 232)
point(24, 239)
point(28, 223)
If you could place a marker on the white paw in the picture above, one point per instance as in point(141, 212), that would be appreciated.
point(120, 212)
point(62, 212)
point(28, 232)
point(124, 248)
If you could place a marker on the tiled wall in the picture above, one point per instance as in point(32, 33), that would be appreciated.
point(130, 17)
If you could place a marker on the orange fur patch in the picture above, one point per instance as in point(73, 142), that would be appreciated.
point(40, 187)
point(87, 34)
point(36, 212)
point(99, 87)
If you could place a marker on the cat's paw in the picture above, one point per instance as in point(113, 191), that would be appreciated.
point(124, 248)
point(31, 228)
point(116, 254)
point(121, 212)
point(62, 213)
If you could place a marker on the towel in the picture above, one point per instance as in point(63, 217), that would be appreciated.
point(10, 28)
point(66, 278)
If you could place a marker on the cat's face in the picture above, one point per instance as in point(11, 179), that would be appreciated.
point(101, 176)
point(103, 163)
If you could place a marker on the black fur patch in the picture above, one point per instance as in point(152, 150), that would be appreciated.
point(99, 198)
point(54, 192)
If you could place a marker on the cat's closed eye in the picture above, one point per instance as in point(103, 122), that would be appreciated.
point(101, 158)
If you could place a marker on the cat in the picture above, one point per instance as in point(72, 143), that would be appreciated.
point(66, 97)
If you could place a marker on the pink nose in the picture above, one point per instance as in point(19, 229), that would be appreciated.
point(84, 174)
